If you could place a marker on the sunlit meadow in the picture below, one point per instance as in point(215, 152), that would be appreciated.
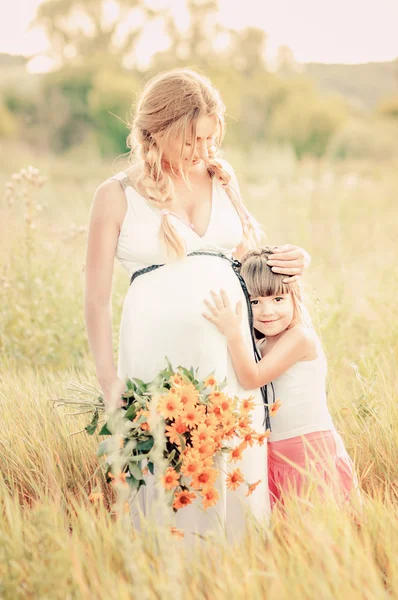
point(54, 541)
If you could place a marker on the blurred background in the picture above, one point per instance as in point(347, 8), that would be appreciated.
point(314, 78)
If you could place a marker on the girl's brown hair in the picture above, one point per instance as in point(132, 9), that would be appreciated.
point(261, 281)
point(169, 108)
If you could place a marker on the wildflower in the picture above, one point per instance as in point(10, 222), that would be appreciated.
point(210, 496)
point(252, 487)
point(182, 499)
point(169, 406)
point(204, 477)
point(178, 533)
point(236, 453)
point(206, 448)
point(249, 438)
point(275, 407)
point(202, 433)
point(188, 394)
point(217, 397)
point(177, 379)
point(263, 436)
point(234, 479)
point(174, 430)
point(211, 420)
point(170, 479)
point(192, 415)
point(210, 381)
point(247, 404)
point(191, 463)
point(244, 422)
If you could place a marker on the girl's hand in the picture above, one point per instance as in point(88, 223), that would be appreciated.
point(289, 260)
point(223, 316)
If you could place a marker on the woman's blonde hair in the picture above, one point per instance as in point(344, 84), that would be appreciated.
point(261, 281)
point(168, 109)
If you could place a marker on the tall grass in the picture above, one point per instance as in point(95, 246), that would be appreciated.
point(55, 542)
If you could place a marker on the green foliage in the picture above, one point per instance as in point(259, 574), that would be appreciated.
point(109, 104)
point(8, 125)
point(373, 139)
point(306, 120)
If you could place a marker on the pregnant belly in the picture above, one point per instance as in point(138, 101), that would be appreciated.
point(172, 296)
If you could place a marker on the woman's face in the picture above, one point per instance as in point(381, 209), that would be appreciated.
point(206, 132)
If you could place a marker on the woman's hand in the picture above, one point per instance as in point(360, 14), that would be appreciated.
point(221, 313)
point(289, 260)
point(113, 391)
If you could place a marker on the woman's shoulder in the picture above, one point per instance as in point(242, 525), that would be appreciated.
point(109, 201)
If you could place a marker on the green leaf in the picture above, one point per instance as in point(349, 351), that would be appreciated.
point(146, 445)
point(131, 411)
point(141, 385)
point(151, 467)
point(102, 448)
point(135, 470)
point(104, 430)
point(91, 427)
point(182, 441)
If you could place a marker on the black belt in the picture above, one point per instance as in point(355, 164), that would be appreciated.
point(235, 264)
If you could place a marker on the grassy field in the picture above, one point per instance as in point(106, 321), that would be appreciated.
point(54, 543)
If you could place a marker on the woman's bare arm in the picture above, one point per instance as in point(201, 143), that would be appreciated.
point(107, 214)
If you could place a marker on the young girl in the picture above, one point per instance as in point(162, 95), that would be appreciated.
point(303, 439)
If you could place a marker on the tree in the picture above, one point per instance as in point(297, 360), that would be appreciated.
point(92, 28)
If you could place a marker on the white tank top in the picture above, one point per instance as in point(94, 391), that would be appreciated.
point(302, 392)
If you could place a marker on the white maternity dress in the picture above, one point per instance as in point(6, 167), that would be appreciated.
point(162, 317)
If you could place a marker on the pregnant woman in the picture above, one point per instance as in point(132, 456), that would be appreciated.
point(179, 206)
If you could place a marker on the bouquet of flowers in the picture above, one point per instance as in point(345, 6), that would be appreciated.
point(191, 422)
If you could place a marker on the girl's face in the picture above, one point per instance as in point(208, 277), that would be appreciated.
point(206, 132)
point(272, 315)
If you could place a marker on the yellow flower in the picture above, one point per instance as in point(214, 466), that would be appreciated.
point(170, 479)
point(204, 477)
point(210, 496)
point(273, 409)
point(202, 433)
point(174, 430)
point(191, 463)
point(263, 436)
point(182, 499)
point(210, 381)
point(252, 487)
point(236, 453)
point(177, 379)
point(192, 416)
point(234, 479)
point(169, 406)
point(247, 404)
point(188, 394)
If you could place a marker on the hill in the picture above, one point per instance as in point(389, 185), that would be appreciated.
point(364, 84)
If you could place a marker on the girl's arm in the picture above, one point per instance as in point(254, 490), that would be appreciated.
point(107, 213)
point(293, 346)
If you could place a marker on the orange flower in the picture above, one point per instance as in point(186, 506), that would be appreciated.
point(177, 379)
point(178, 533)
point(217, 397)
point(229, 433)
point(234, 479)
point(119, 478)
point(175, 429)
point(145, 471)
point(202, 433)
point(145, 426)
point(211, 420)
point(169, 406)
point(252, 487)
point(273, 409)
point(210, 496)
point(247, 404)
point(210, 381)
point(206, 449)
point(170, 479)
point(182, 499)
point(192, 415)
point(188, 394)
point(236, 453)
point(244, 422)
point(249, 438)
point(191, 463)
point(204, 477)
point(263, 436)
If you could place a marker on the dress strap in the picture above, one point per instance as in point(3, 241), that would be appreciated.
point(123, 179)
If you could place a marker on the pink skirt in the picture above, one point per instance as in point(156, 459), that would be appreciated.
point(296, 464)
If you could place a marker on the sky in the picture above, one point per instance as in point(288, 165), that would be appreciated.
point(338, 31)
